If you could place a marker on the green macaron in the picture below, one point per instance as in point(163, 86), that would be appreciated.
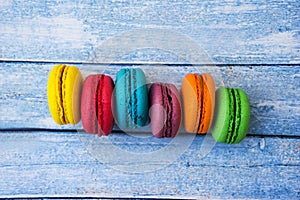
point(232, 115)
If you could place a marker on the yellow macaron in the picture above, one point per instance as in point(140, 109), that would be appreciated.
point(64, 90)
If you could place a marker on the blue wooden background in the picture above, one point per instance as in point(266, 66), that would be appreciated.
point(253, 45)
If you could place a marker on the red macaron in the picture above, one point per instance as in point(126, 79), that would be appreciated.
point(96, 104)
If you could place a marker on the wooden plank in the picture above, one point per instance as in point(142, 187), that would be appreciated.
point(253, 32)
point(273, 92)
point(47, 164)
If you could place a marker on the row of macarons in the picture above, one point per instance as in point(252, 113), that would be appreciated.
point(99, 103)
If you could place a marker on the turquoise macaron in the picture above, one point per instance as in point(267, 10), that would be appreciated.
point(131, 98)
point(232, 115)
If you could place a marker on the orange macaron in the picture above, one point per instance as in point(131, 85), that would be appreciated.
point(198, 95)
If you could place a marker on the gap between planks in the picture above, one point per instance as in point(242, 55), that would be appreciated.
point(143, 63)
point(73, 131)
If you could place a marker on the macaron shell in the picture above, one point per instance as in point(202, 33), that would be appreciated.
point(245, 116)
point(221, 120)
point(141, 90)
point(54, 94)
point(176, 110)
point(120, 96)
point(165, 111)
point(105, 115)
point(190, 103)
point(88, 104)
point(158, 114)
point(208, 102)
point(72, 82)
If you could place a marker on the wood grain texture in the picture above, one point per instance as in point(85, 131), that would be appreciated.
point(255, 44)
point(59, 164)
point(273, 92)
point(229, 31)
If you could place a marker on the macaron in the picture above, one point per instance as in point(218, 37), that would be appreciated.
point(131, 98)
point(96, 104)
point(165, 110)
point(232, 115)
point(64, 88)
point(198, 96)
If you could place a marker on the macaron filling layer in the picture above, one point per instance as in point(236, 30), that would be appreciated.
point(99, 107)
point(133, 99)
point(168, 105)
point(237, 115)
point(59, 97)
point(63, 92)
point(231, 114)
point(201, 110)
point(140, 97)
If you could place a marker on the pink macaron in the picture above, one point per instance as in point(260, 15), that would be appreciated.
point(165, 110)
point(96, 104)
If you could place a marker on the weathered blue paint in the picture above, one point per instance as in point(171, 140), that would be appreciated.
point(263, 36)
point(58, 164)
point(230, 31)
